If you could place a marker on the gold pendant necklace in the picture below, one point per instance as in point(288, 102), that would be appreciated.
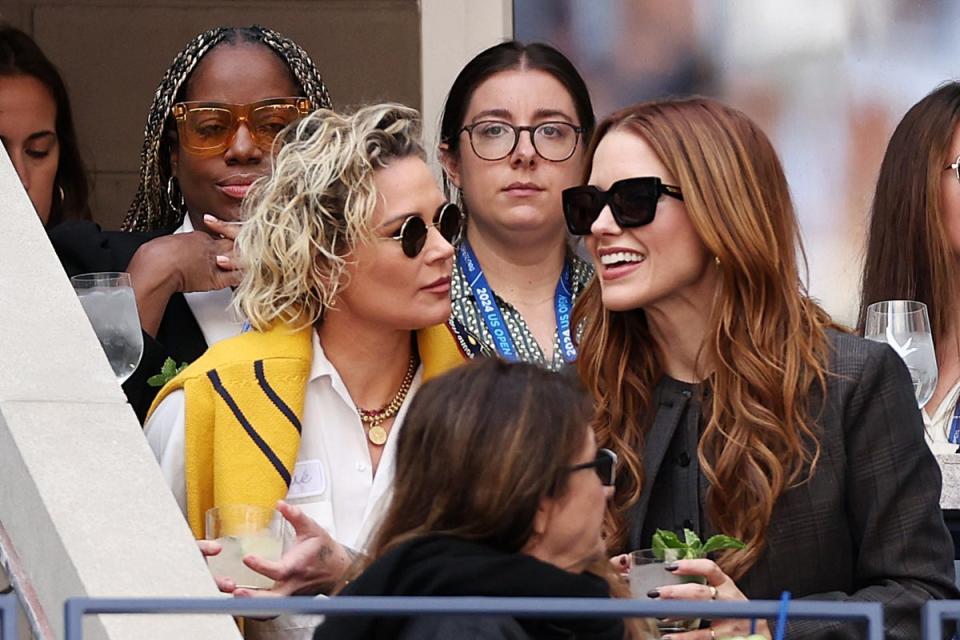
point(372, 419)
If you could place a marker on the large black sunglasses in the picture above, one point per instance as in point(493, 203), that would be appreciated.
point(605, 464)
point(633, 203)
point(413, 233)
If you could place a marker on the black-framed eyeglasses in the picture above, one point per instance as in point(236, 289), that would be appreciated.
point(633, 203)
point(495, 140)
point(413, 232)
point(605, 464)
point(955, 166)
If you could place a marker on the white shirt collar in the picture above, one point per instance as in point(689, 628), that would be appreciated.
point(186, 226)
point(320, 365)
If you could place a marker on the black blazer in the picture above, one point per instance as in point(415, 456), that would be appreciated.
point(868, 525)
point(83, 248)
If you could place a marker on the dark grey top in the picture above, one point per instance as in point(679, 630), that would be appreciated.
point(866, 527)
point(675, 495)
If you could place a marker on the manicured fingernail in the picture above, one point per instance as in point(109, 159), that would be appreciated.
point(208, 218)
point(671, 566)
point(223, 260)
point(653, 593)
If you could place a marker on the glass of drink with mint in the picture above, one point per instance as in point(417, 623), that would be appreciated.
point(647, 570)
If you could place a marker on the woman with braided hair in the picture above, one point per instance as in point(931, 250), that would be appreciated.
point(208, 137)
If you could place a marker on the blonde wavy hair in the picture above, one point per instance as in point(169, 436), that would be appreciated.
point(304, 221)
point(766, 339)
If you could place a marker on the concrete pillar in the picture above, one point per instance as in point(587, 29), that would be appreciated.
point(452, 32)
point(84, 510)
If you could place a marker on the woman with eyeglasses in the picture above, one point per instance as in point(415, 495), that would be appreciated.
point(914, 240)
point(735, 404)
point(208, 139)
point(346, 254)
point(512, 138)
point(37, 132)
point(499, 491)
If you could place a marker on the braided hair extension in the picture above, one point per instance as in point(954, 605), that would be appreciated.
point(150, 210)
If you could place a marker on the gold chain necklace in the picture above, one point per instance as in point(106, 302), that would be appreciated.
point(372, 419)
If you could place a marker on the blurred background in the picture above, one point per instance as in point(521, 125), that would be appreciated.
point(828, 80)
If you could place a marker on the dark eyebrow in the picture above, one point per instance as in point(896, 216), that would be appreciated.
point(544, 114)
point(492, 113)
point(538, 115)
point(40, 134)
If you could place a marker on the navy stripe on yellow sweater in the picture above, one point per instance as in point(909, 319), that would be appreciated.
point(264, 447)
point(274, 398)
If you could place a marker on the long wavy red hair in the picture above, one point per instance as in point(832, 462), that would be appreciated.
point(766, 343)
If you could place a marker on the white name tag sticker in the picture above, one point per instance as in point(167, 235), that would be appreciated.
point(309, 479)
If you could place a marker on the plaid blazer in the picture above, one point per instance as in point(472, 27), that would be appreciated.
point(868, 525)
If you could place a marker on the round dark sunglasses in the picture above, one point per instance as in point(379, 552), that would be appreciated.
point(633, 203)
point(605, 464)
point(413, 232)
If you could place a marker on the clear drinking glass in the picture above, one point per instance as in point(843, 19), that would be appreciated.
point(111, 307)
point(242, 529)
point(647, 572)
point(905, 326)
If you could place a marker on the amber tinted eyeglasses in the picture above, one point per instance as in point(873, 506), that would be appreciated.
point(208, 128)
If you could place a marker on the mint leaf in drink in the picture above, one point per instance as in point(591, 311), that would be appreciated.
point(156, 380)
point(720, 541)
point(667, 543)
point(693, 544)
point(663, 540)
point(168, 372)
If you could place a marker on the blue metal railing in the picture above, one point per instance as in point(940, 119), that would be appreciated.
point(8, 617)
point(935, 612)
point(871, 612)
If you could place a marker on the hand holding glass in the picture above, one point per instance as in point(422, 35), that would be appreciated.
point(111, 306)
point(241, 530)
point(647, 572)
point(905, 326)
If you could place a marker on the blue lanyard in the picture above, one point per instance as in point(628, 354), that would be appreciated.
point(493, 317)
point(954, 436)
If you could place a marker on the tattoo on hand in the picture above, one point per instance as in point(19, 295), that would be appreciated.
point(324, 553)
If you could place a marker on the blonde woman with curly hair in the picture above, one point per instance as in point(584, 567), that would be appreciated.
point(734, 403)
point(346, 278)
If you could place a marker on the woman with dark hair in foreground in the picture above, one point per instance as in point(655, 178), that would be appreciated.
point(499, 491)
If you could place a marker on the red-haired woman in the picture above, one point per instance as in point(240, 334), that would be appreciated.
point(734, 402)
